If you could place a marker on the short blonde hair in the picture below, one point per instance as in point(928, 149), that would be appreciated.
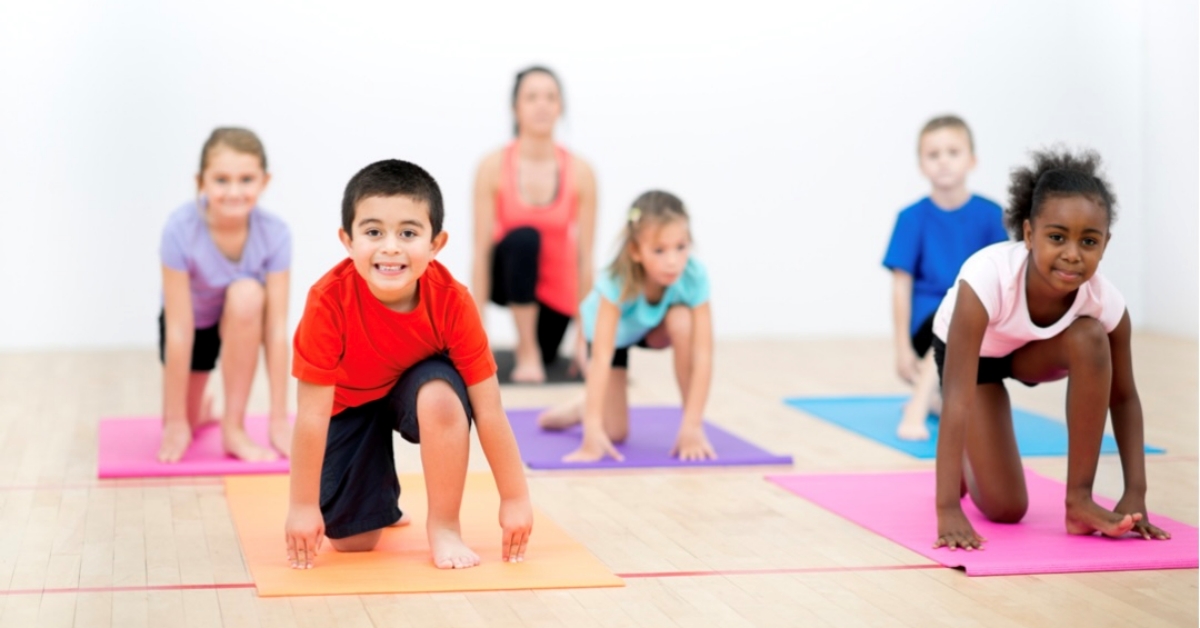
point(948, 121)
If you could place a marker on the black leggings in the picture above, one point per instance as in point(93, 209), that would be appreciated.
point(514, 282)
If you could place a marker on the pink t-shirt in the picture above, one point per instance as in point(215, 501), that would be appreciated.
point(997, 275)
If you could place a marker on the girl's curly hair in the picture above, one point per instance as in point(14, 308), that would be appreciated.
point(1056, 172)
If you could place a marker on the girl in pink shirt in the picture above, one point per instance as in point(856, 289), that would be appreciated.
point(1035, 311)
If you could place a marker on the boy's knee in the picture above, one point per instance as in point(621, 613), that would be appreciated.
point(245, 299)
point(439, 406)
point(364, 542)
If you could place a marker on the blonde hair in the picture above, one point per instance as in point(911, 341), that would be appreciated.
point(653, 208)
point(239, 139)
point(948, 121)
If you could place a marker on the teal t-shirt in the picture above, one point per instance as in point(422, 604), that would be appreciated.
point(637, 316)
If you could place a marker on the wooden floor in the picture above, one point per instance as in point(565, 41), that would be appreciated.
point(697, 548)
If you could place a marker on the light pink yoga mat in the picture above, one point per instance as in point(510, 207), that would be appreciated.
point(129, 449)
point(900, 507)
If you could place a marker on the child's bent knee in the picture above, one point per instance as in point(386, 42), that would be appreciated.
point(245, 298)
point(1009, 512)
point(438, 403)
point(364, 542)
point(1087, 338)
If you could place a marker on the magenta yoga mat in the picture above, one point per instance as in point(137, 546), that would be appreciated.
point(900, 507)
point(129, 449)
point(652, 432)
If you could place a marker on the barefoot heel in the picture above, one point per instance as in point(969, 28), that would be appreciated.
point(401, 563)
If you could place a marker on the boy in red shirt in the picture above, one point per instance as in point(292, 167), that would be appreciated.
point(390, 341)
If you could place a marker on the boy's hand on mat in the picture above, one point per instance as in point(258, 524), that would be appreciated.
point(692, 444)
point(305, 529)
point(516, 520)
point(954, 531)
point(1130, 505)
point(594, 448)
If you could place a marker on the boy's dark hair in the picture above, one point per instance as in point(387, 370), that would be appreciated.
point(393, 177)
point(948, 121)
point(534, 69)
point(1056, 173)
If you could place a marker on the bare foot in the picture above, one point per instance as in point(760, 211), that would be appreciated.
point(448, 549)
point(402, 521)
point(281, 436)
point(912, 424)
point(238, 444)
point(529, 373)
point(1087, 517)
point(562, 416)
point(207, 416)
point(176, 436)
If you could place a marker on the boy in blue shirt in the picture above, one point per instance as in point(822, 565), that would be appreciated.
point(931, 240)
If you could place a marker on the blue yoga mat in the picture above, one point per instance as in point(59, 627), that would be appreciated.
point(877, 417)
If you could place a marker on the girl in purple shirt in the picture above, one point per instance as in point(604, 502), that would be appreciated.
point(225, 289)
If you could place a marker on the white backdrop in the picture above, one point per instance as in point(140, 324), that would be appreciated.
point(789, 130)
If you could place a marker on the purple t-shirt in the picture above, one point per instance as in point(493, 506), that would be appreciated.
point(188, 246)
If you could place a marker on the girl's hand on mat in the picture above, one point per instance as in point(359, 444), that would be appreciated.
point(516, 520)
point(1130, 505)
point(954, 531)
point(594, 448)
point(692, 444)
point(305, 529)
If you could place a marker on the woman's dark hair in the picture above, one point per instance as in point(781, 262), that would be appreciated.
point(1056, 172)
point(533, 69)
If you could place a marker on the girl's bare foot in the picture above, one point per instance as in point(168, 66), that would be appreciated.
point(912, 424)
point(176, 437)
point(207, 416)
point(1085, 517)
point(562, 416)
point(280, 432)
point(448, 549)
point(239, 445)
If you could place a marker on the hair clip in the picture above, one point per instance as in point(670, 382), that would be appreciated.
point(635, 214)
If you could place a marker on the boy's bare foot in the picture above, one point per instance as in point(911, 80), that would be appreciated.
point(280, 432)
point(912, 424)
point(448, 549)
point(176, 437)
point(402, 521)
point(238, 444)
point(1087, 517)
point(562, 416)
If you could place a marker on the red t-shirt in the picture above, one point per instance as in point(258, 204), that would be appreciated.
point(348, 339)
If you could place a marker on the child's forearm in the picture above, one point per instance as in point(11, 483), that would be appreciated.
point(276, 345)
point(1128, 431)
point(308, 442)
point(500, 448)
point(697, 394)
point(949, 461)
point(599, 370)
point(176, 370)
point(902, 288)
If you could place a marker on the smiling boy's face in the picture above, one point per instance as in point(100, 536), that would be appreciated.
point(392, 243)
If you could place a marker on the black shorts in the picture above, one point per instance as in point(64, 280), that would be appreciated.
point(206, 345)
point(991, 370)
point(359, 487)
point(621, 356)
point(922, 339)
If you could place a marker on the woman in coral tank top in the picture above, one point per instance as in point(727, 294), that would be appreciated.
point(535, 208)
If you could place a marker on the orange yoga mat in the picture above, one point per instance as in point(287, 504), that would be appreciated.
point(401, 562)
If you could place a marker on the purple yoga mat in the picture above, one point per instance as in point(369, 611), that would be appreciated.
point(900, 507)
point(652, 432)
point(129, 449)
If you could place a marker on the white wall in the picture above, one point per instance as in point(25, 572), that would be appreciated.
point(1171, 166)
point(791, 136)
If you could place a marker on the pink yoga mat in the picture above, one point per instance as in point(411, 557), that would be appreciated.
point(129, 449)
point(900, 507)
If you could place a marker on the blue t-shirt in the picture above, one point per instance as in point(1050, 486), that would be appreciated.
point(931, 244)
point(638, 317)
point(188, 246)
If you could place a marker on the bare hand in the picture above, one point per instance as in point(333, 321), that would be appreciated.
point(516, 520)
point(954, 531)
point(304, 530)
point(1132, 505)
point(595, 447)
point(692, 444)
point(907, 364)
